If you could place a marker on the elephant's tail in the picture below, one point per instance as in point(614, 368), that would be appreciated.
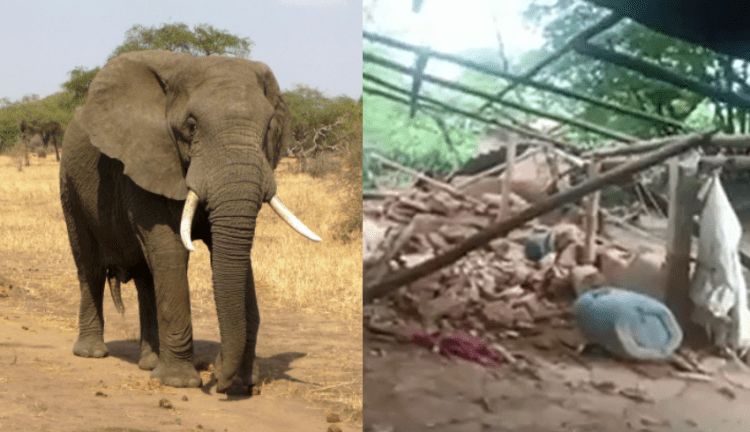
point(114, 288)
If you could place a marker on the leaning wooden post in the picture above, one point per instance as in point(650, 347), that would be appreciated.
point(683, 185)
point(592, 211)
point(510, 158)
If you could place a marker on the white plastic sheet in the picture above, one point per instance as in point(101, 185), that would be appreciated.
point(718, 289)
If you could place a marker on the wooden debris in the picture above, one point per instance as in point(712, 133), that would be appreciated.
point(378, 288)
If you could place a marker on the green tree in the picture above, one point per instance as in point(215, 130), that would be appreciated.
point(317, 119)
point(78, 84)
point(203, 39)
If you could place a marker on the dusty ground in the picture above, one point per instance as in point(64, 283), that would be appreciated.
point(43, 386)
point(551, 389)
point(310, 358)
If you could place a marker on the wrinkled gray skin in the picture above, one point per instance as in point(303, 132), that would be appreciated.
point(155, 124)
point(35, 138)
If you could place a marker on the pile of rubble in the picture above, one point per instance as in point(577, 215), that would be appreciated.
point(494, 292)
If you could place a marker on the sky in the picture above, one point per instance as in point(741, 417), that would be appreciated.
point(452, 26)
point(317, 43)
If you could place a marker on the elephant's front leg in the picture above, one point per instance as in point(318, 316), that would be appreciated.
point(149, 326)
point(168, 261)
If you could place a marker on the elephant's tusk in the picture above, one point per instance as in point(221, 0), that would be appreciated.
point(292, 220)
point(191, 203)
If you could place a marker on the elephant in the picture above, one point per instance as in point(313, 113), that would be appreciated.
point(37, 136)
point(168, 148)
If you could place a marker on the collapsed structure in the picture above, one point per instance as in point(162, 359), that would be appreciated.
point(455, 255)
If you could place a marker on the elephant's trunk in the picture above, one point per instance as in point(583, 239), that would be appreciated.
point(232, 230)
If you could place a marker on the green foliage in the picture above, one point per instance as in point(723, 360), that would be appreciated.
point(202, 40)
point(565, 19)
point(351, 227)
point(78, 84)
point(52, 109)
point(336, 127)
point(319, 122)
point(419, 143)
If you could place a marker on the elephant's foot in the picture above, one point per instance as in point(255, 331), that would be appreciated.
point(182, 374)
point(149, 360)
point(90, 346)
point(243, 383)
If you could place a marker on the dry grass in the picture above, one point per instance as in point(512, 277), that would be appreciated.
point(291, 272)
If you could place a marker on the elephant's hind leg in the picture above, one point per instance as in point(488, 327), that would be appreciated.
point(91, 317)
point(85, 247)
point(91, 277)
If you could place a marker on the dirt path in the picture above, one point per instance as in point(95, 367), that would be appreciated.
point(44, 387)
point(410, 388)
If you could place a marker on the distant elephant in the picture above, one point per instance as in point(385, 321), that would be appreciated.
point(165, 139)
point(36, 136)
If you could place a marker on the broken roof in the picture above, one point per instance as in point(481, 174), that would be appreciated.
point(723, 26)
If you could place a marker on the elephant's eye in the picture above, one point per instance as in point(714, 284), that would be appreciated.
point(191, 126)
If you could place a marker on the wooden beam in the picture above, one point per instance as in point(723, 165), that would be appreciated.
point(683, 182)
point(511, 160)
point(494, 170)
point(375, 195)
point(379, 288)
point(721, 140)
point(585, 35)
point(592, 213)
point(728, 163)
point(446, 187)
point(651, 70)
point(445, 107)
point(591, 127)
point(526, 78)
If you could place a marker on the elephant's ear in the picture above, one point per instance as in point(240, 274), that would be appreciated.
point(125, 117)
point(279, 127)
